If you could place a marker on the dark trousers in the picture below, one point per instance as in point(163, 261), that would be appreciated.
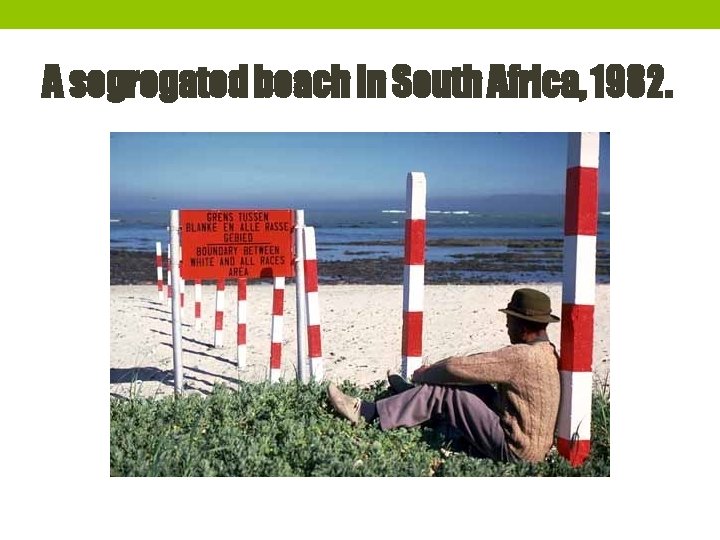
point(469, 409)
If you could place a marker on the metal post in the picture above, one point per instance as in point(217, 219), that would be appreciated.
point(300, 306)
point(176, 312)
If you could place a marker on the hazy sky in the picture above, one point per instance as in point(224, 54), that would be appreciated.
point(164, 170)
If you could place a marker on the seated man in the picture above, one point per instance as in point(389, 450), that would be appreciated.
point(514, 422)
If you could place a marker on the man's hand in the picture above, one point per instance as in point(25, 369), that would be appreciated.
point(419, 372)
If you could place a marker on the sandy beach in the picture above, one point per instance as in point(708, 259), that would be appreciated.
point(361, 333)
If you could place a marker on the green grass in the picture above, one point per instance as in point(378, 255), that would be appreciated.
point(288, 429)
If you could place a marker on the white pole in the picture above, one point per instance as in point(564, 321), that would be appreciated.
point(300, 305)
point(176, 312)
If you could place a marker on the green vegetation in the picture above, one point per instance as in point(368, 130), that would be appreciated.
point(288, 429)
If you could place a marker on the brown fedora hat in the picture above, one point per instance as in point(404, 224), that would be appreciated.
point(532, 305)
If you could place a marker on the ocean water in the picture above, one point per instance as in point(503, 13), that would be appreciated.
point(362, 234)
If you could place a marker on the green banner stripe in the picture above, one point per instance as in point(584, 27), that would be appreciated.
point(366, 14)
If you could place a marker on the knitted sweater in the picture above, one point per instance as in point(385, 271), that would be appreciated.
point(528, 385)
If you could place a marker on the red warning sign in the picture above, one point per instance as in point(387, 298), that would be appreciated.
point(231, 244)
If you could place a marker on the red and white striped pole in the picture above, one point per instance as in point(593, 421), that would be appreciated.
point(414, 273)
point(277, 328)
point(198, 303)
point(313, 305)
point(578, 296)
point(242, 323)
point(219, 312)
point(159, 266)
point(169, 275)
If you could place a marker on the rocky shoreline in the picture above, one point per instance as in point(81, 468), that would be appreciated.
point(522, 261)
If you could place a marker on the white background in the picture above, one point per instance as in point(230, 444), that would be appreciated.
point(54, 208)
